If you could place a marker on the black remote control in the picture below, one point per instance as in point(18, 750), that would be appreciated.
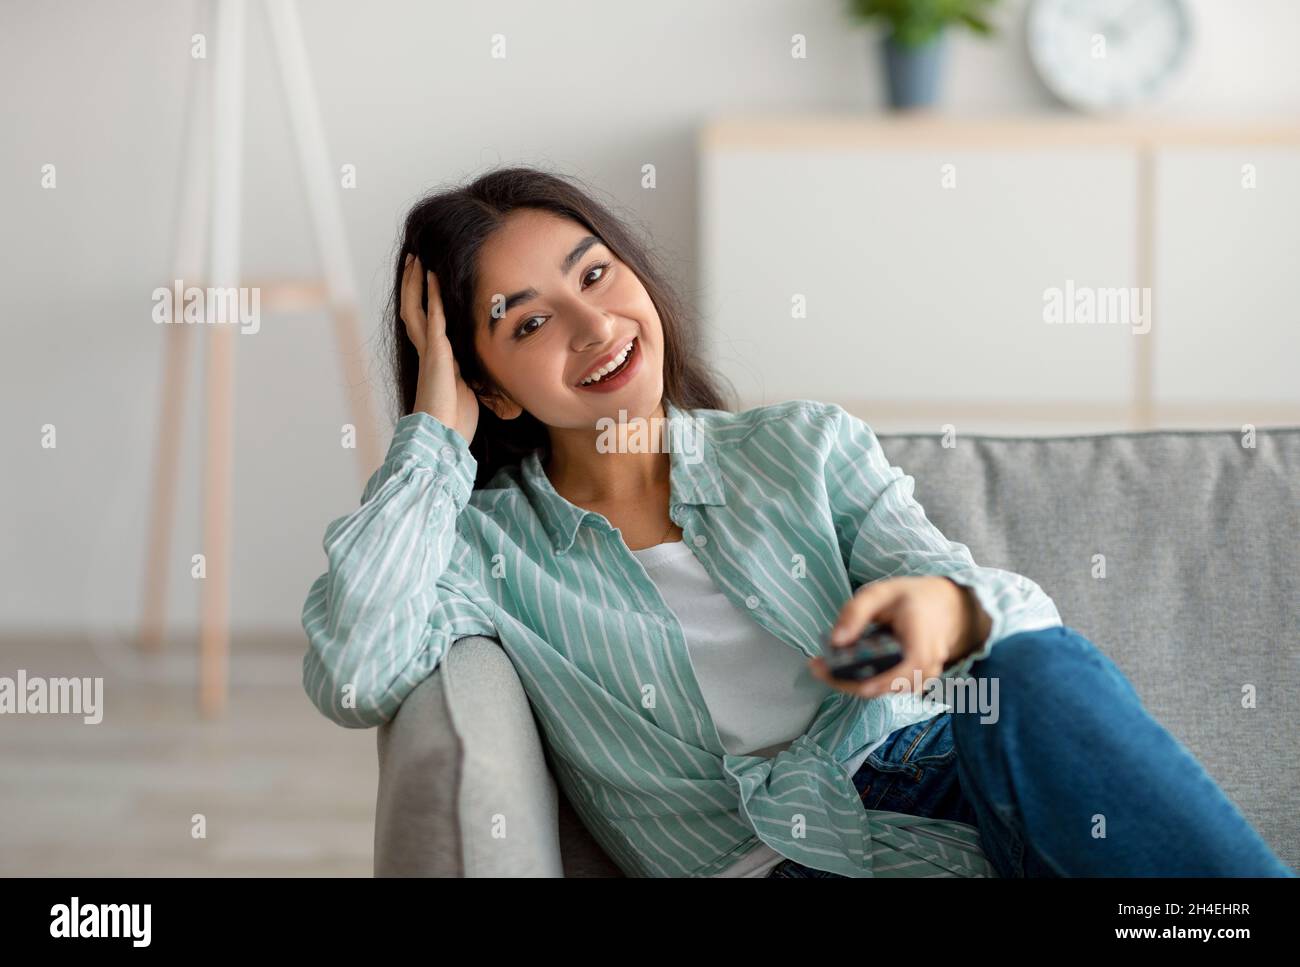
point(875, 651)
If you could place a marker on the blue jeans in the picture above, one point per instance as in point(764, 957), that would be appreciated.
point(1073, 778)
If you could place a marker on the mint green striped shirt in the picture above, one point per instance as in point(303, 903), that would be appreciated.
point(790, 508)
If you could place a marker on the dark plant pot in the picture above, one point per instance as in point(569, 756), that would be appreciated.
point(913, 73)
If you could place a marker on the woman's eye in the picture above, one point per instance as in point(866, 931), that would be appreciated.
point(602, 267)
point(521, 331)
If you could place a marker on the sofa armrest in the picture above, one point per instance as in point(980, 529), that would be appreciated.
point(464, 788)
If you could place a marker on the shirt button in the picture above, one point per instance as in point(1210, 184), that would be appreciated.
point(700, 540)
point(447, 453)
point(751, 602)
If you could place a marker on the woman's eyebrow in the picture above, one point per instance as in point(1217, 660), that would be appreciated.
point(523, 295)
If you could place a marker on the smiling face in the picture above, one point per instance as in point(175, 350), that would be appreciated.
point(552, 305)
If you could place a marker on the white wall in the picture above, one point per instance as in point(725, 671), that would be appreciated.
point(411, 96)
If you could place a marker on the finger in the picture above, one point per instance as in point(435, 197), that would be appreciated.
point(909, 675)
point(913, 639)
point(872, 601)
point(436, 322)
point(436, 315)
point(913, 630)
point(898, 678)
point(817, 668)
point(411, 312)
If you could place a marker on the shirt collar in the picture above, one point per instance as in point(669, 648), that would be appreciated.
point(693, 477)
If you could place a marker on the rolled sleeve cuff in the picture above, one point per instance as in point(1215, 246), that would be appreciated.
point(424, 441)
point(988, 591)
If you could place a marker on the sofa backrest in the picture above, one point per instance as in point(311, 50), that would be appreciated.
point(1199, 605)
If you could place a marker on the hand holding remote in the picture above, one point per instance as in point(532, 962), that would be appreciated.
point(928, 615)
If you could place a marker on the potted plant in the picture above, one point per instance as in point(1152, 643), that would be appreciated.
point(914, 41)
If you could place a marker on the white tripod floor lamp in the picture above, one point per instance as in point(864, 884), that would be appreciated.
point(210, 204)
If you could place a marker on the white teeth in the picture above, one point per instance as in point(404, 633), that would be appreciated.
point(609, 367)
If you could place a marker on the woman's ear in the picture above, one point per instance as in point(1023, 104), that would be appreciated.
point(504, 407)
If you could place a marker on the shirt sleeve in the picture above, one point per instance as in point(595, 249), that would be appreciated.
point(400, 588)
point(883, 533)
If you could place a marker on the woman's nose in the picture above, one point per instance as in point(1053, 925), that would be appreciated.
point(592, 326)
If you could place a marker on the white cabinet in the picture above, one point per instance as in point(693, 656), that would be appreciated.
point(1228, 277)
point(903, 268)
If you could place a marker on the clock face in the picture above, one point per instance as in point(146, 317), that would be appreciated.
point(1108, 54)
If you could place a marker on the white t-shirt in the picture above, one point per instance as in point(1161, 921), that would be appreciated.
point(757, 687)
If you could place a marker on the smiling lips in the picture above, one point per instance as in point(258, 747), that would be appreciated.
point(612, 363)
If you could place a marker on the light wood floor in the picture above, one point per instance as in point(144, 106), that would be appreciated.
point(285, 792)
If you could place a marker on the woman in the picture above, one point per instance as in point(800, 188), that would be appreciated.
point(662, 591)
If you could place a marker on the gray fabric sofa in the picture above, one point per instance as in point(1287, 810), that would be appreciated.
point(1200, 602)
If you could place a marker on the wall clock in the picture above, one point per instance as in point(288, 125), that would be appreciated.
point(1108, 55)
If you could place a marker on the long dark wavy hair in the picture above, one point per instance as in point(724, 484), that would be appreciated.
point(447, 229)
